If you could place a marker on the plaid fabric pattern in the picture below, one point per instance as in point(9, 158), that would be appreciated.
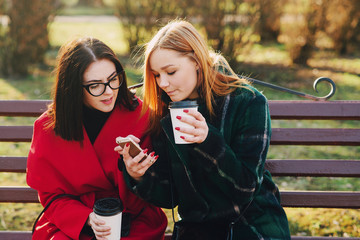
point(215, 180)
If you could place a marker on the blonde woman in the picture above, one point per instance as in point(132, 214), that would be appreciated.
point(218, 180)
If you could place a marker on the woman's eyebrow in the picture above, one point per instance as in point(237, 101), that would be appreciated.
point(97, 80)
point(92, 81)
point(166, 66)
point(112, 75)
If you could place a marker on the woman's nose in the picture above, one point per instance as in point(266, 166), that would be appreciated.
point(162, 82)
point(108, 90)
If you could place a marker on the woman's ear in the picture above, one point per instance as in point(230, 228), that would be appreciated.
point(197, 67)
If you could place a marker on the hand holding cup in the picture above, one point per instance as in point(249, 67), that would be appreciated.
point(106, 218)
point(189, 125)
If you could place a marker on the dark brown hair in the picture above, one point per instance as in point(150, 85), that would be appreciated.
point(66, 111)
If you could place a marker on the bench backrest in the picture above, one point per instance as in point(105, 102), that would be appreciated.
point(295, 110)
point(279, 110)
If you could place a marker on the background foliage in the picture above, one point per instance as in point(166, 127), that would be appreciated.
point(231, 26)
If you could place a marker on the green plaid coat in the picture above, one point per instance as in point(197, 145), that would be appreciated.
point(217, 179)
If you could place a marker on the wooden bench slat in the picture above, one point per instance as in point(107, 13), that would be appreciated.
point(15, 235)
point(325, 199)
point(314, 168)
point(314, 110)
point(23, 108)
point(16, 133)
point(315, 136)
point(280, 136)
point(278, 109)
point(13, 164)
point(320, 199)
point(18, 195)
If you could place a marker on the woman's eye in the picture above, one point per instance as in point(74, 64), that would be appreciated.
point(94, 86)
point(113, 79)
point(171, 73)
point(156, 75)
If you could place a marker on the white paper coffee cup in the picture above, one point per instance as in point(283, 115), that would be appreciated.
point(110, 210)
point(177, 109)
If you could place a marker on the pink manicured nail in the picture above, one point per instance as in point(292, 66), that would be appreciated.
point(145, 150)
point(186, 110)
point(178, 117)
point(177, 128)
point(128, 144)
point(156, 157)
point(152, 154)
point(182, 137)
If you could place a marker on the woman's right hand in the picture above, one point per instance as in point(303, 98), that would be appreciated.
point(136, 167)
point(98, 227)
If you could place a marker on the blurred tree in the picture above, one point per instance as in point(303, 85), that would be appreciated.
point(343, 24)
point(339, 19)
point(312, 16)
point(229, 24)
point(28, 33)
point(268, 26)
point(4, 41)
point(142, 18)
point(301, 28)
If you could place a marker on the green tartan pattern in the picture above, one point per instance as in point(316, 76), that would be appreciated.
point(215, 180)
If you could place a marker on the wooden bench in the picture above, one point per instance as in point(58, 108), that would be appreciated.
point(285, 110)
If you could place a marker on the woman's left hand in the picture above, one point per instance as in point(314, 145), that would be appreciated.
point(138, 165)
point(199, 134)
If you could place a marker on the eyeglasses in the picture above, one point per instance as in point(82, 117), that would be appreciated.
point(97, 89)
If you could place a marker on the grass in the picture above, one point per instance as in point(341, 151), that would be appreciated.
point(83, 10)
point(322, 222)
point(71, 9)
point(269, 63)
point(110, 32)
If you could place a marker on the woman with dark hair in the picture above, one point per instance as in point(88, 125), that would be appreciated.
point(71, 162)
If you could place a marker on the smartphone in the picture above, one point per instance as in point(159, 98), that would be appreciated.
point(134, 147)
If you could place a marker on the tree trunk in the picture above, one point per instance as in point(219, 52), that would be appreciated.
point(28, 33)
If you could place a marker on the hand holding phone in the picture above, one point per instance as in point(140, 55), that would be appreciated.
point(136, 168)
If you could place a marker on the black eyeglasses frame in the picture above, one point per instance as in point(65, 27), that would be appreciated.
point(118, 74)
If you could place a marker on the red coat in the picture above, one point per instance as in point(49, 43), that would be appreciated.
point(57, 166)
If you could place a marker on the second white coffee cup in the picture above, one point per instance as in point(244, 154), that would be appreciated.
point(177, 109)
point(110, 210)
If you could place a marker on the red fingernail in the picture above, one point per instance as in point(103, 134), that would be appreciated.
point(156, 157)
point(178, 117)
point(145, 150)
point(152, 154)
point(182, 137)
point(127, 144)
point(186, 111)
point(177, 128)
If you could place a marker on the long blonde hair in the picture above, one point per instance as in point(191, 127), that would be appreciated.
point(215, 76)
